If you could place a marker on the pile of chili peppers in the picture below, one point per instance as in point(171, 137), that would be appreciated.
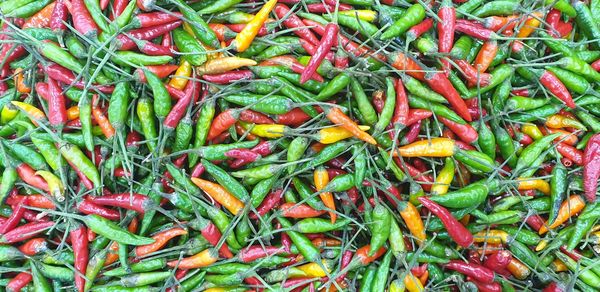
point(352, 145)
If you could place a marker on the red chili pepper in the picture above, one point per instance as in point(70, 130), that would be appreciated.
point(144, 20)
point(472, 75)
point(294, 210)
point(79, 243)
point(295, 117)
point(570, 152)
point(473, 29)
point(415, 115)
point(251, 116)
point(59, 17)
point(553, 287)
point(15, 217)
point(445, 30)
point(271, 202)
point(34, 246)
point(19, 281)
point(426, 179)
point(416, 31)
point(192, 93)
point(440, 84)
point(131, 201)
point(556, 87)
point(412, 134)
point(465, 132)
point(229, 77)
point(572, 254)
point(66, 76)
point(117, 8)
point(57, 111)
point(27, 174)
point(82, 20)
point(535, 221)
point(87, 207)
point(596, 65)
point(255, 252)
point(244, 154)
point(292, 21)
point(212, 234)
point(238, 27)
point(326, 8)
point(461, 235)
point(8, 54)
point(591, 167)
point(25, 232)
point(162, 71)
point(145, 33)
point(222, 122)
point(327, 39)
point(498, 261)
point(477, 272)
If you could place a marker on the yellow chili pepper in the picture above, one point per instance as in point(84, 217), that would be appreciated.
point(204, 258)
point(333, 134)
point(541, 245)
point(413, 221)
point(182, 75)
point(9, 112)
point(219, 194)
point(412, 283)
point(397, 286)
point(444, 178)
point(34, 113)
point(436, 147)
point(315, 270)
point(558, 266)
point(534, 184)
point(321, 178)
point(568, 208)
point(247, 35)
point(491, 236)
point(363, 14)
point(223, 65)
point(73, 113)
point(532, 131)
point(560, 121)
point(55, 185)
point(269, 130)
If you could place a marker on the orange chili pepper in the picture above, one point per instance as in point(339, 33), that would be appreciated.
point(101, 119)
point(160, 239)
point(41, 18)
point(518, 269)
point(20, 82)
point(321, 178)
point(113, 254)
point(558, 266)
point(336, 116)
point(413, 221)
point(219, 194)
point(202, 259)
point(560, 121)
point(323, 242)
point(565, 136)
point(223, 65)
point(73, 113)
point(568, 208)
point(486, 55)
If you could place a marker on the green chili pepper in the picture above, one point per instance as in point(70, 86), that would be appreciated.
point(380, 227)
point(304, 245)
point(79, 160)
point(226, 180)
point(413, 15)
point(436, 108)
point(128, 58)
point(117, 108)
point(194, 52)
point(381, 276)
point(368, 277)
point(473, 194)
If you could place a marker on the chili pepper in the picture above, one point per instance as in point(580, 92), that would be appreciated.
point(247, 35)
point(413, 16)
point(591, 171)
point(327, 39)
